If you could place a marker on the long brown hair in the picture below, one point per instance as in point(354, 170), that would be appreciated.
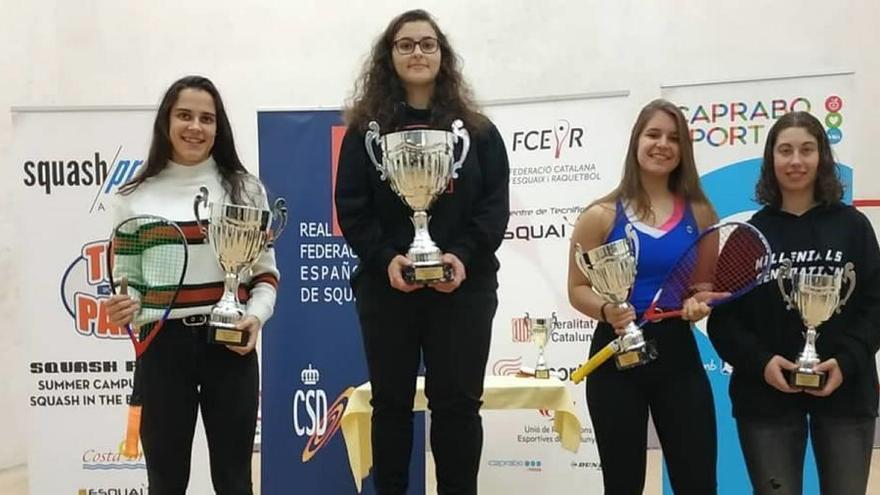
point(683, 180)
point(379, 94)
point(234, 176)
point(827, 189)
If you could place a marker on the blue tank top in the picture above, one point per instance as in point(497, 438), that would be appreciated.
point(657, 248)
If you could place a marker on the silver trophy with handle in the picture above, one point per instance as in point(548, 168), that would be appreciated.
point(238, 235)
point(541, 330)
point(418, 165)
point(816, 298)
point(611, 270)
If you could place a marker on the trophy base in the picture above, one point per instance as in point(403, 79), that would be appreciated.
point(529, 372)
point(427, 274)
point(812, 380)
point(227, 336)
point(633, 358)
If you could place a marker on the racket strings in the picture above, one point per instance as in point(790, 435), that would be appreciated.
point(729, 258)
point(150, 253)
point(741, 260)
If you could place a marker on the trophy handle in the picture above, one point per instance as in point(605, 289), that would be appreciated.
point(633, 239)
point(279, 211)
point(554, 323)
point(371, 138)
point(785, 272)
point(579, 260)
point(201, 199)
point(459, 132)
point(850, 274)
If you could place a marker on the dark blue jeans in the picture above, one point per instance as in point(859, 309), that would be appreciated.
point(774, 451)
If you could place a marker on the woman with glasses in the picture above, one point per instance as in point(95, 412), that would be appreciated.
point(412, 80)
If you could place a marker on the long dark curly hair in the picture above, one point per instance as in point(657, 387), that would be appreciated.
point(827, 189)
point(234, 176)
point(379, 94)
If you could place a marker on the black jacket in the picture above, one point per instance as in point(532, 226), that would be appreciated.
point(468, 220)
point(749, 331)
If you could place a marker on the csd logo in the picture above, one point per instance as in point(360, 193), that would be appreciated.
point(312, 417)
point(314, 404)
point(310, 406)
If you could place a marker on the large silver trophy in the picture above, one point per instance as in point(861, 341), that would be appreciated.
point(418, 164)
point(611, 269)
point(239, 235)
point(541, 331)
point(816, 297)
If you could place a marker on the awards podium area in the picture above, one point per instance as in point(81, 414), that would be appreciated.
point(564, 99)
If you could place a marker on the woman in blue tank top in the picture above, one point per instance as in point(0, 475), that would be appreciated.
point(660, 206)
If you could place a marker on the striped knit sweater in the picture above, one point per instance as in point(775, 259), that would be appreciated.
point(170, 194)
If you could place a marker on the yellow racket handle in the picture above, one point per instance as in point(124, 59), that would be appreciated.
point(594, 362)
point(132, 432)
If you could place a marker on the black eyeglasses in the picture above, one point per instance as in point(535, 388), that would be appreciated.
point(405, 46)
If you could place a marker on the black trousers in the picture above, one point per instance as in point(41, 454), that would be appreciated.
point(676, 391)
point(451, 332)
point(179, 374)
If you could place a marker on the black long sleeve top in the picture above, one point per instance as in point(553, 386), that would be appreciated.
point(469, 219)
point(749, 331)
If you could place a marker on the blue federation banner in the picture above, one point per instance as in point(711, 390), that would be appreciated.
point(311, 349)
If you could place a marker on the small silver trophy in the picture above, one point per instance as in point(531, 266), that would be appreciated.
point(541, 331)
point(611, 270)
point(816, 297)
point(418, 164)
point(239, 235)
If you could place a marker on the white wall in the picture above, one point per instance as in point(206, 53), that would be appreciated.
point(306, 53)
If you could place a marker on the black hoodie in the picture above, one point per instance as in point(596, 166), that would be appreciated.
point(749, 331)
point(469, 219)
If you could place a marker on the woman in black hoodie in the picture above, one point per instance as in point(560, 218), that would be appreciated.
point(413, 80)
point(806, 223)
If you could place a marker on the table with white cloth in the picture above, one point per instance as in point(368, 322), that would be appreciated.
point(499, 392)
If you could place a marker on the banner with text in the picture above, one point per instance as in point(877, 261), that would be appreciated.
point(79, 366)
point(563, 155)
point(312, 350)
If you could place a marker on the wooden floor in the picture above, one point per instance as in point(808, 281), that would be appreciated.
point(13, 481)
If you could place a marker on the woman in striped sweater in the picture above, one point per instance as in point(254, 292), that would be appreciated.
point(181, 372)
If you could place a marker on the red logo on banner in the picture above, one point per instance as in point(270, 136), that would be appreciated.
point(337, 132)
point(84, 289)
point(833, 103)
point(507, 367)
point(333, 423)
point(520, 329)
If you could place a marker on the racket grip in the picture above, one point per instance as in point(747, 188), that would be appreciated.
point(594, 362)
point(132, 433)
point(123, 286)
point(663, 315)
